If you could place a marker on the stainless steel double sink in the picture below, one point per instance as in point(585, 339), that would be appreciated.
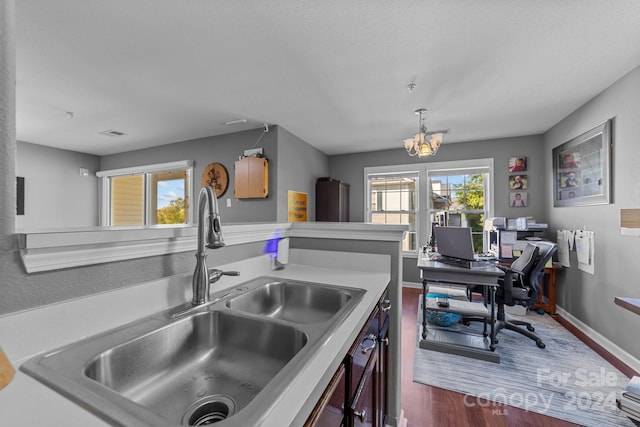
point(226, 362)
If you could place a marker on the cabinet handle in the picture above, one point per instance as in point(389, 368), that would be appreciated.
point(385, 340)
point(370, 347)
point(386, 305)
point(362, 415)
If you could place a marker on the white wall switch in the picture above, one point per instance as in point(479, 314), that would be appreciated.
point(228, 202)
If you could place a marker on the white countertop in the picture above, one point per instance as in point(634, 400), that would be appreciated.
point(26, 401)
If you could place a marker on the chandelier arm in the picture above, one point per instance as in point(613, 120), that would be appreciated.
point(443, 131)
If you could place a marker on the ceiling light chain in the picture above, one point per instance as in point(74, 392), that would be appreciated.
point(424, 143)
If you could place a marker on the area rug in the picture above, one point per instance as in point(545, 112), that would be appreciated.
point(565, 380)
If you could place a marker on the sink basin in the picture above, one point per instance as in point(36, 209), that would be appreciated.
point(297, 302)
point(225, 362)
point(198, 357)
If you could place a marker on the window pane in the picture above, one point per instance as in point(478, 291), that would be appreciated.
point(439, 193)
point(127, 200)
point(170, 201)
point(378, 219)
point(393, 201)
point(169, 204)
point(409, 242)
point(460, 198)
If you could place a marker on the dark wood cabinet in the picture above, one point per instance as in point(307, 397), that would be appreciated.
point(360, 385)
point(332, 200)
point(329, 411)
point(364, 406)
point(383, 360)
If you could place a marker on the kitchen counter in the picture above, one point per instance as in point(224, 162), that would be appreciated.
point(26, 401)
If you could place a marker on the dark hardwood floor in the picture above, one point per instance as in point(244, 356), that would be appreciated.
point(426, 406)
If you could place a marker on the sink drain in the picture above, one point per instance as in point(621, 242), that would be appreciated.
point(209, 410)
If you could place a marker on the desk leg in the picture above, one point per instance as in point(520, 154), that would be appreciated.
point(424, 309)
point(492, 305)
point(552, 291)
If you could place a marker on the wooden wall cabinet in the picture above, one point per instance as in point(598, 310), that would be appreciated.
point(332, 200)
point(251, 178)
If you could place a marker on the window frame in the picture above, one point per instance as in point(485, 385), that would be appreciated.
point(424, 170)
point(104, 197)
point(393, 170)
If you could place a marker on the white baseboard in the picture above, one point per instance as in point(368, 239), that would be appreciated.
point(611, 347)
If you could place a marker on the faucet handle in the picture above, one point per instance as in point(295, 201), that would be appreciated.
point(215, 274)
point(231, 273)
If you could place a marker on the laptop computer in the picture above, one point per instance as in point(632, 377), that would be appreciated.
point(455, 242)
point(455, 246)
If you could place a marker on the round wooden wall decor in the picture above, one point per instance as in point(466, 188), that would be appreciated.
point(215, 175)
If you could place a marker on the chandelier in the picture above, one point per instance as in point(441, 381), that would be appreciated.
point(424, 143)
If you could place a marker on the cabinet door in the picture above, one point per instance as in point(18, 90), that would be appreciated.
point(383, 372)
point(329, 412)
point(251, 178)
point(332, 200)
point(364, 408)
point(361, 352)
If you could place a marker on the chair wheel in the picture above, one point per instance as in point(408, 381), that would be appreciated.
point(540, 344)
point(530, 328)
point(492, 347)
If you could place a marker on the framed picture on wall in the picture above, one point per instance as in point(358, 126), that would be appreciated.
point(518, 182)
point(581, 169)
point(518, 199)
point(517, 164)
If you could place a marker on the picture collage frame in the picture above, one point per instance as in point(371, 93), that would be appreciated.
point(518, 182)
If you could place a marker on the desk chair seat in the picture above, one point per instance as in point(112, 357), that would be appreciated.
point(521, 284)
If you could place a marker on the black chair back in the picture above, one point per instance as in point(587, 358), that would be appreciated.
point(512, 288)
point(545, 252)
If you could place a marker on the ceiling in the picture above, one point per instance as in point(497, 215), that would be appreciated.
point(333, 72)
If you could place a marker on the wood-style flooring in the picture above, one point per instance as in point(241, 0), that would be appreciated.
point(426, 406)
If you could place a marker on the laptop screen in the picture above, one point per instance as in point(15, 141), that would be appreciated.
point(454, 242)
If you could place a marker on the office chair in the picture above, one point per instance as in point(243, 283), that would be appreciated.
point(513, 274)
point(521, 284)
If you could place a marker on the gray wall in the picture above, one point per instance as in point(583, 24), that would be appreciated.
point(56, 195)
point(300, 166)
point(303, 165)
point(225, 149)
point(350, 169)
point(590, 297)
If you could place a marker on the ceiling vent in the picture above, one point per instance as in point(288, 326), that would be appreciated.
point(235, 122)
point(113, 133)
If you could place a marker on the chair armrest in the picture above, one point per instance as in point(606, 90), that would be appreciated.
point(510, 270)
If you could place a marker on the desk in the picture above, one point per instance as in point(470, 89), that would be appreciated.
point(550, 305)
point(450, 341)
point(631, 304)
